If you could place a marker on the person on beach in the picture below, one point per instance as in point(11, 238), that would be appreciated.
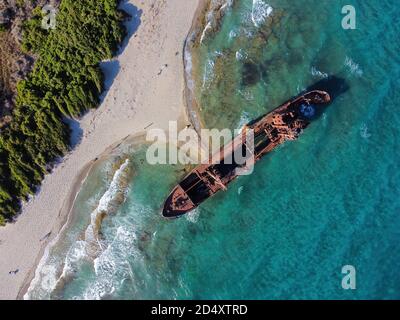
point(14, 272)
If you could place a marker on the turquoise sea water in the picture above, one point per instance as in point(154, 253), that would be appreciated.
point(312, 206)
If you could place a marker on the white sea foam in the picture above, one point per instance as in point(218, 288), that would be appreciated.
point(364, 131)
point(260, 12)
point(48, 273)
point(111, 265)
point(48, 279)
point(233, 34)
point(246, 94)
point(248, 26)
point(208, 73)
point(108, 203)
point(74, 257)
point(193, 216)
point(227, 5)
point(190, 83)
point(203, 35)
point(244, 119)
point(248, 33)
point(240, 190)
point(353, 67)
point(241, 55)
point(210, 16)
point(93, 201)
point(317, 73)
point(189, 64)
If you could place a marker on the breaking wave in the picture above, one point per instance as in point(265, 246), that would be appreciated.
point(111, 266)
point(109, 202)
point(51, 273)
point(353, 67)
point(316, 73)
point(260, 12)
point(208, 73)
point(218, 9)
point(203, 35)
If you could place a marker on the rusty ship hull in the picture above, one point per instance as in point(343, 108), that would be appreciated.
point(284, 123)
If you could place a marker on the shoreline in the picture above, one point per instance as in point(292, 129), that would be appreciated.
point(65, 214)
point(191, 107)
point(206, 19)
point(128, 104)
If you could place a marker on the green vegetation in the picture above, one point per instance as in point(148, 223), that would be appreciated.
point(65, 82)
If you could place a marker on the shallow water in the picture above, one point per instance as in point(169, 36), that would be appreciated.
point(312, 206)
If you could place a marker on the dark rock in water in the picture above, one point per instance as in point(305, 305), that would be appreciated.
point(250, 74)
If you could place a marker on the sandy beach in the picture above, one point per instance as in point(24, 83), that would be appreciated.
point(145, 85)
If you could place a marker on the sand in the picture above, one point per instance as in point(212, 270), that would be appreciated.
point(145, 90)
